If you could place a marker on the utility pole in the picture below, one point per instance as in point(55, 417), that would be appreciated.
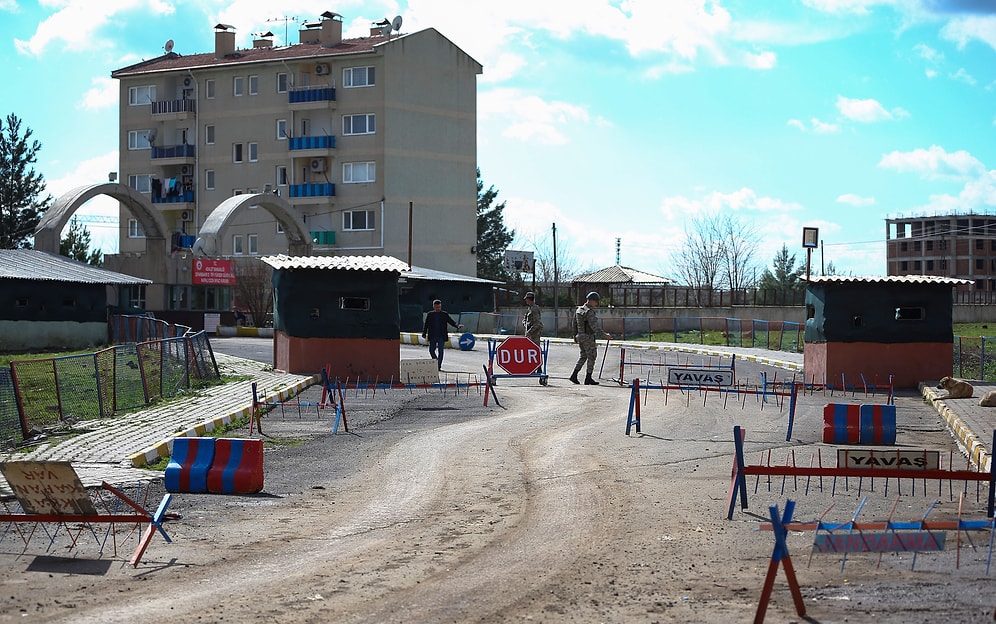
point(556, 281)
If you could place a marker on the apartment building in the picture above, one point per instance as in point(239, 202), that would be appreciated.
point(372, 141)
point(958, 245)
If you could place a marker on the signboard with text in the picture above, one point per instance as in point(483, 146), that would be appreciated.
point(213, 272)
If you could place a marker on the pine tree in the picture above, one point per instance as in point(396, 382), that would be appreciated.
point(20, 186)
point(76, 244)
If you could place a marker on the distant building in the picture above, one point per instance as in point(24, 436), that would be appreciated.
point(370, 142)
point(958, 245)
point(621, 286)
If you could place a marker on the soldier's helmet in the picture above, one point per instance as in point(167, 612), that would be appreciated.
point(593, 295)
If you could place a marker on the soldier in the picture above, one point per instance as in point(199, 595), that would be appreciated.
point(586, 325)
point(532, 320)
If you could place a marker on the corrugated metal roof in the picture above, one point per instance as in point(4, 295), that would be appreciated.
point(342, 263)
point(619, 274)
point(443, 276)
point(888, 279)
point(31, 264)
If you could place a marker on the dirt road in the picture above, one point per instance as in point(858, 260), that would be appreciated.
point(439, 509)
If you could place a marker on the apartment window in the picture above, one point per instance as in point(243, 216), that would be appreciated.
point(979, 263)
point(980, 244)
point(904, 265)
point(238, 86)
point(209, 134)
point(237, 153)
point(282, 175)
point(252, 241)
point(135, 229)
point(992, 245)
point(141, 183)
point(916, 246)
point(904, 246)
point(358, 77)
point(930, 245)
point(355, 220)
point(139, 139)
point(209, 179)
point(917, 266)
point(253, 152)
point(930, 265)
point(281, 82)
point(139, 96)
point(355, 173)
point(209, 89)
point(237, 245)
point(358, 124)
point(253, 85)
point(281, 129)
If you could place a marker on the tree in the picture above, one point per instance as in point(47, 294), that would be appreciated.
point(718, 251)
point(76, 244)
point(254, 288)
point(20, 186)
point(493, 237)
point(786, 276)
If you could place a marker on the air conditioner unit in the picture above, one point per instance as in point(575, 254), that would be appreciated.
point(186, 215)
point(317, 165)
point(185, 170)
point(321, 69)
point(188, 82)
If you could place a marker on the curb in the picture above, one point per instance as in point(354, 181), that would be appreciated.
point(967, 440)
point(159, 450)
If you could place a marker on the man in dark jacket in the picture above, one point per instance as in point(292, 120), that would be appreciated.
point(434, 330)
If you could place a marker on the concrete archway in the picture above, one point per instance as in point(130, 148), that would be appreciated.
point(208, 243)
point(49, 231)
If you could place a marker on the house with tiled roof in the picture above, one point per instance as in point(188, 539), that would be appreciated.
point(620, 286)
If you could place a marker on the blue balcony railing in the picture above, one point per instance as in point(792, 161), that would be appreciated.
point(321, 189)
point(173, 198)
point(174, 151)
point(311, 94)
point(311, 142)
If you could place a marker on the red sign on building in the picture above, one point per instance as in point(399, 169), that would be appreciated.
point(213, 272)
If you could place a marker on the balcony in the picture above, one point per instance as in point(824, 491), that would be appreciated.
point(173, 151)
point(180, 197)
point(172, 109)
point(324, 142)
point(320, 189)
point(304, 98)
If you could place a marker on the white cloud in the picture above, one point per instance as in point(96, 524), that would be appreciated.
point(966, 29)
point(855, 200)
point(934, 164)
point(529, 117)
point(963, 76)
point(103, 236)
point(103, 94)
point(815, 125)
point(680, 207)
point(76, 23)
point(928, 53)
point(867, 111)
point(978, 194)
point(8, 5)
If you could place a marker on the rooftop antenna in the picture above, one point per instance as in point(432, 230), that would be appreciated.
point(169, 46)
point(386, 25)
point(286, 20)
point(618, 256)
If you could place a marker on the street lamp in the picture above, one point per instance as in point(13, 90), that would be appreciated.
point(810, 240)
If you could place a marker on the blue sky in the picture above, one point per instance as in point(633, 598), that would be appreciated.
point(622, 119)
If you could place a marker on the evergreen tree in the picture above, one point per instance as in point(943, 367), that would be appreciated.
point(493, 238)
point(786, 276)
point(20, 186)
point(76, 244)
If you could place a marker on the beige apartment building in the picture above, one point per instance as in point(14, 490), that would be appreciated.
point(372, 142)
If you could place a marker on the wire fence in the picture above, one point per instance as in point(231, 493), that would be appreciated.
point(975, 357)
point(41, 394)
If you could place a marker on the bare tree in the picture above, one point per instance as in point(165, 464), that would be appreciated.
point(738, 242)
point(254, 288)
point(718, 251)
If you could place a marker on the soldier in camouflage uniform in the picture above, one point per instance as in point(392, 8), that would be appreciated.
point(531, 320)
point(586, 326)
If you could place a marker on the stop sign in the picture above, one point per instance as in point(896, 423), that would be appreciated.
point(518, 355)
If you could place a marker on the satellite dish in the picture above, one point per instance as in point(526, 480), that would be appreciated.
point(169, 46)
point(396, 23)
point(386, 30)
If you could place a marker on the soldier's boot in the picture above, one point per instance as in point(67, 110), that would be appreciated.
point(574, 377)
point(588, 381)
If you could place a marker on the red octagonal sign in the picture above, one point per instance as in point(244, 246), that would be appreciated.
point(518, 355)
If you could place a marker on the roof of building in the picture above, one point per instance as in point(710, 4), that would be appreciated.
point(888, 279)
point(619, 274)
point(31, 264)
point(421, 273)
point(342, 263)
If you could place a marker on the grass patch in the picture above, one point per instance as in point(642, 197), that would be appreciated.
point(975, 330)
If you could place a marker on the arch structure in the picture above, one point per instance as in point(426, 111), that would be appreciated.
point(49, 231)
point(209, 240)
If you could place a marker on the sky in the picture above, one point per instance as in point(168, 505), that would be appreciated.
point(622, 123)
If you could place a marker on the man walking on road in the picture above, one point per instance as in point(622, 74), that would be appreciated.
point(434, 330)
point(531, 319)
point(586, 325)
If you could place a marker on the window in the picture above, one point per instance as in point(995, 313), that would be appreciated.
point(980, 244)
point(139, 96)
point(209, 89)
point(281, 82)
point(139, 139)
point(354, 173)
point(236, 192)
point(930, 245)
point(930, 265)
point(910, 314)
point(209, 134)
point(358, 77)
point(253, 85)
point(141, 183)
point(358, 124)
point(237, 153)
point(237, 245)
point(916, 246)
point(904, 265)
point(354, 303)
point(358, 220)
point(281, 129)
point(904, 246)
point(253, 152)
point(252, 241)
point(917, 266)
point(133, 295)
point(979, 263)
point(135, 229)
point(217, 298)
point(238, 86)
point(282, 175)
point(209, 179)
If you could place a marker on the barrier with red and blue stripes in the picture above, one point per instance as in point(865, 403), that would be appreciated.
point(868, 423)
point(237, 467)
point(188, 465)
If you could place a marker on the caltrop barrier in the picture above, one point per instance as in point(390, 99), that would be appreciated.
point(892, 465)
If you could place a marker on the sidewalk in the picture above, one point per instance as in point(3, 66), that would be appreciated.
point(969, 423)
point(116, 449)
